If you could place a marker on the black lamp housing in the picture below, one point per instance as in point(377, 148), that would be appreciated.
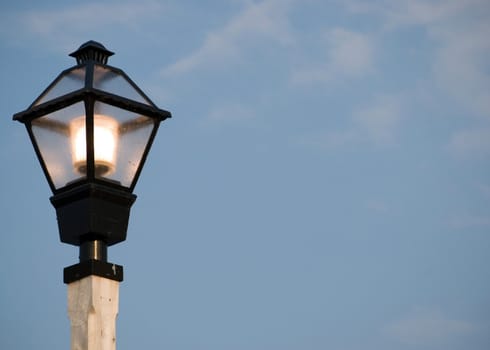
point(92, 129)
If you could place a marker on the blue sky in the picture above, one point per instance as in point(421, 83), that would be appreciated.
point(324, 183)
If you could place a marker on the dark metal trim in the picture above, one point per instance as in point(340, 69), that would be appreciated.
point(130, 105)
point(93, 249)
point(98, 95)
point(92, 51)
point(97, 189)
point(89, 137)
point(107, 183)
point(50, 106)
point(87, 268)
point(91, 212)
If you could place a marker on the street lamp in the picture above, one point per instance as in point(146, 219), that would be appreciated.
point(92, 129)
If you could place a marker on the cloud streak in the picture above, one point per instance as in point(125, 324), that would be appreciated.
point(466, 222)
point(349, 54)
point(470, 142)
point(459, 31)
point(61, 27)
point(380, 120)
point(230, 114)
point(261, 22)
point(410, 12)
point(375, 123)
point(461, 64)
point(327, 140)
point(424, 327)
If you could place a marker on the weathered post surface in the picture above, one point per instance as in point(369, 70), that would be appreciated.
point(93, 304)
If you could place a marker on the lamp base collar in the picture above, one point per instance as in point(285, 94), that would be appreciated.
point(92, 267)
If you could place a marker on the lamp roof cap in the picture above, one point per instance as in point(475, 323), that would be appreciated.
point(92, 51)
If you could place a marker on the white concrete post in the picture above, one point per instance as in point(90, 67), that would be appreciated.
point(93, 303)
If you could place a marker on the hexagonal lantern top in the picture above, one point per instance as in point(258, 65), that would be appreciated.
point(92, 124)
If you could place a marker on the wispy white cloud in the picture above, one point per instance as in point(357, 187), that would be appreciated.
point(89, 15)
point(484, 189)
point(410, 12)
point(375, 123)
point(427, 326)
point(473, 218)
point(377, 206)
point(380, 120)
point(259, 22)
point(61, 26)
point(461, 64)
point(348, 54)
point(470, 142)
point(328, 139)
point(458, 30)
point(230, 114)
point(469, 221)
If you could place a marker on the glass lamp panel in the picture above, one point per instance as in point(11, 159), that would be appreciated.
point(115, 83)
point(71, 81)
point(53, 136)
point(124, 136)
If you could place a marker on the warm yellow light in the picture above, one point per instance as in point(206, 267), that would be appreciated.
point(105, 144)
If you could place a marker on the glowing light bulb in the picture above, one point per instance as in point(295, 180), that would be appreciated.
point(105, 144)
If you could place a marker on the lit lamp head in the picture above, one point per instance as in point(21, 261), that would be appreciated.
point(92, 129)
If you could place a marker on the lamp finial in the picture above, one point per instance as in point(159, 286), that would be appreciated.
point(92, 51)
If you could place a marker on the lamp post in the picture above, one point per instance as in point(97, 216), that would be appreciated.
point(92, 129)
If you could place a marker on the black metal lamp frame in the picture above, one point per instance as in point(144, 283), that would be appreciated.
point(92, 212)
